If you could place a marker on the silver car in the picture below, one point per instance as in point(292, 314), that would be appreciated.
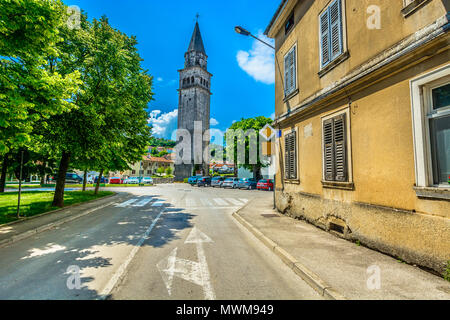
point(231, 183)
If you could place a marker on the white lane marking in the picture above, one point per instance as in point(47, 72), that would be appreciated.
point(190, 202)
point(206, 202)
point(142, 202)
point(221, 202)
point(119, 273)
point(198, 237)
point(126, 203)
point(195, 272)
point(157, 203)
point(234, 201)
point(244, 200)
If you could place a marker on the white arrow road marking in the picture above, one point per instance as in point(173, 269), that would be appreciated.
point(142, 202)
point(126, 203)
point(119, 273)
point(195, 272)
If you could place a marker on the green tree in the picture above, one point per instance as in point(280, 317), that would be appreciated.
point(30, 90)
point(160, 170)
point(242, 127)
point(108, 129)
point(169, 171)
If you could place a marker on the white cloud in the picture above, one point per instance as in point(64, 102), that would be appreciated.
point(213, 122)
point(159, 79)
point(272, 116)
point(163, 123)
point(259, 62)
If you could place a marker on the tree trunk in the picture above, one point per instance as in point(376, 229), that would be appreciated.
point(3, 174)
point(42, 172)
point(58, 199)
point(97, 186)
point(84, 180)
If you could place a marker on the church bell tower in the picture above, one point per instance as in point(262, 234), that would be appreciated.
point(194, 106)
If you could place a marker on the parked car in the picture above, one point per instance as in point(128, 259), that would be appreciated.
point(231, 183)
point(265, 184)
point(133, 180)
point(115, 180)
point(193, 180)
point(147, 180)
point(102, 180)
point(71, 178)
point(204, 182)
point(217, 182)
point(247, 183)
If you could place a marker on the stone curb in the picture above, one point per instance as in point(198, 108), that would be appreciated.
point(52, 225)
point(303, 272)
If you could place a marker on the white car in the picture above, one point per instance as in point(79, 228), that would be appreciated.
point(132, 180)
point(147, 180)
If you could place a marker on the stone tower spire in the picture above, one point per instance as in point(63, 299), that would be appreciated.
point(194, 107)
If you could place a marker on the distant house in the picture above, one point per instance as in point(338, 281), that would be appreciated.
point(149, 166)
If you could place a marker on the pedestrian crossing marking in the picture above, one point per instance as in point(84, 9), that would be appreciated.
point(157, 203)
point(126, 203)
point(220, 202)
point(234, 201)
point(206, 202)
point(190, 202)
point(142, 202)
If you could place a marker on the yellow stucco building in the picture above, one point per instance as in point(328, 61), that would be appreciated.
point(363, 105)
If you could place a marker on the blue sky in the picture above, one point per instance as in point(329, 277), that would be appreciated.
point(243, 70)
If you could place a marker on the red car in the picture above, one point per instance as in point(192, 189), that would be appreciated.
point(115, 180)
point(265, 184)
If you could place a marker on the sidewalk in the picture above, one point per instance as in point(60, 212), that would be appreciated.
point(336, 268)
point(23, 229)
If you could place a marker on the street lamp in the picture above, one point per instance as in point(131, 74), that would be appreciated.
point(244, 32)
point(247, 33)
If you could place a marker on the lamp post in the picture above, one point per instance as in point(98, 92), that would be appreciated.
point(244, 32)
point(240, 30)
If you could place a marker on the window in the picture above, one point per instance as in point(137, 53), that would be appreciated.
point(431, 122)
point(290, 144)
point(411, 6)
point(289, 24)
point(438, 117)
point(133, 172)
point(335, 149)
point(290, 75)
point(331, 33)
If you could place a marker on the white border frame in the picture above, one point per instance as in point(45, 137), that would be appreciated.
point(421, 132)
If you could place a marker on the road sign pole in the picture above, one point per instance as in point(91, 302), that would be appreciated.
point(20, 185)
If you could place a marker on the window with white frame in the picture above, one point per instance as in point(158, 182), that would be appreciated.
point(290, 71)
point(431, 123)
point(331, 33)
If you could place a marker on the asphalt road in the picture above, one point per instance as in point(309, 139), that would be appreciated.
point(167, 242)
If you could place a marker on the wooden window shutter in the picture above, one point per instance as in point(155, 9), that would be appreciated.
point(335, 29)
point(328, 152)
point(293, 156)
point(325, 37)
point(292, 70)
point(289, 72)
point(340, 154)
point(286, 157)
